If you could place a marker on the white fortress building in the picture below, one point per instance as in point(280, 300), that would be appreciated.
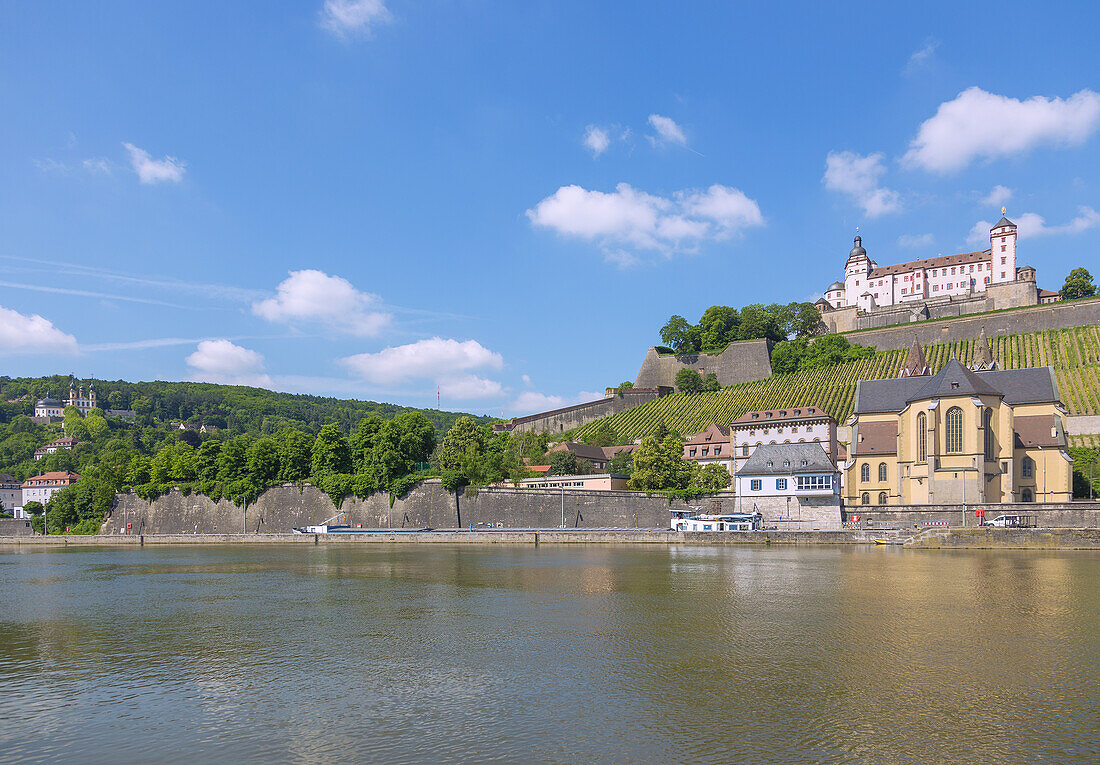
point(968, 282)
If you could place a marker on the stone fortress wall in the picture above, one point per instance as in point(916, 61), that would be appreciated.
point(739, 362)
point(997, 297)
point(569, 417)
point(1075, 313)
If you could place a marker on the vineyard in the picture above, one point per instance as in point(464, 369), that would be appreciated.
point(1074, 353)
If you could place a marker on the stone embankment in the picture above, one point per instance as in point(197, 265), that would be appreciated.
point(987, 538)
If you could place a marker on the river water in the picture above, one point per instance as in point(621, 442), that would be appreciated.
point(596, 654)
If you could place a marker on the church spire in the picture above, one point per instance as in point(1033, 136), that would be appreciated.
point(915, 364)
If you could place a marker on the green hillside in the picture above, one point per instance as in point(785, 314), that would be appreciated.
point(1074, 354)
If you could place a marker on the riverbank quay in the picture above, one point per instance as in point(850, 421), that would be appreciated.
point(938, 538)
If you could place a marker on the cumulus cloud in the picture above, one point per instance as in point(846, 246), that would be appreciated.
point(916, 240)
point(858, 177)
point(998, 195)
point(220, 361)
point(312, 296)
point(667, 130)
point(469, 387)
point(627, 218)
point(345, 18)
point(596, 140)
point(1032, 225)
point(981, 125)
point(436, 358)
point(20, 333)
point(922, 57)
point(151, 170)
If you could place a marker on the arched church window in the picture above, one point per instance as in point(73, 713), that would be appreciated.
point(954, 430)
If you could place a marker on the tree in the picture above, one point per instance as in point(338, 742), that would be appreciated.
point(758, 322)
point(679, 335)
point(331, 453)
point(626, 385)
point(418, 436)
point(787, 355)
point(295, 455)
point(142, 406)
point(361, 442)
point(233, 459)
point(660, 465)
point(712, 478)
point(603, 435)
point(710, 383)
point(463, 440)
point(563, 463)
point(263, 462)
point(621, 464)
point(1078, 285)
point(718, 327)
point(191, 438)
point(116, 400)
point(206, 460)
point(688, 381)
point(96, 426)
point(805, 320)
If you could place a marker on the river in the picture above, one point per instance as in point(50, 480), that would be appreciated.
point(566, 654)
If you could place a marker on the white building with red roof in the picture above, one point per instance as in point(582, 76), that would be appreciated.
point(41, 487)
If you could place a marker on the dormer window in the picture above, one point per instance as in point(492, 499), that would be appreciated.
point(803, 463)
point(786, 463)
point(954, 386)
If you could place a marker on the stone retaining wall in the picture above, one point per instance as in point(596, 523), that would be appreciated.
point(1070, 515)
point(739, 362)
point(1074, 313)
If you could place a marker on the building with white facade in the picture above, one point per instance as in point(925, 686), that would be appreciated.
point(793, 425)
point(61, 444)
point(48, 407)
point(11, 494)
point(793, 485)
point(41, 487)
point(867, 285)
point(84, 401)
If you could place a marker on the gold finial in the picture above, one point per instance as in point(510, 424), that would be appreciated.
point(1002, 209)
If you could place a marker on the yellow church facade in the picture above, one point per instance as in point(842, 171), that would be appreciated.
point(959, 437)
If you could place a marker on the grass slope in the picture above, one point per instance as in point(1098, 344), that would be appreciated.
point(1074, 353)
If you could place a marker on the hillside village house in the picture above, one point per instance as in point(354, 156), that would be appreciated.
point(48, 408)
point(960, 436)
point(61, 444)
point(598, 456)
point(41, 487)
point(11, 494)
point(793, 425)
point(711, 447)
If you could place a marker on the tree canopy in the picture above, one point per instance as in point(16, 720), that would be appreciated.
point(1078, 285)
point(721, 325)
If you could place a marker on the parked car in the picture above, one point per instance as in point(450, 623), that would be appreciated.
point(1004, 521)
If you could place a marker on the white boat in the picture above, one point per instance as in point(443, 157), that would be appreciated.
point(684, 521)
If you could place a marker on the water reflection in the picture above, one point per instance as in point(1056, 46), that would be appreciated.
point(585, 654)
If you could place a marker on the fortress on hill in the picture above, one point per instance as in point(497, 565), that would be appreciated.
point(933, 300)
point(932, 288)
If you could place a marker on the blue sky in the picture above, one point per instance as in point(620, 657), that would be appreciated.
point(503, 201)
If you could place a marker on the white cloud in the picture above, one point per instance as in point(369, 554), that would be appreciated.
point(220, 361)
point(922, 57)
point(1033, 224)
point(596, 140)
point(916, 240)
point(526, 379)
point(468, 387)
point(858, 177)
point(998, 195)
point(436, 358)
point(353, 17)
point(20, 333)
point(97, 165)
point(977, 124)
point(627, 218)
point(314, 296)
point(151, 170)
point(667, 129)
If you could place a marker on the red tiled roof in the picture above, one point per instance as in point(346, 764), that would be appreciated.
point(714, 434)
point(57, 476)
point(936, 262)
point(782, 415)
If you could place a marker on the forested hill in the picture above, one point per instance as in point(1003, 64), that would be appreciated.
point(235, 408)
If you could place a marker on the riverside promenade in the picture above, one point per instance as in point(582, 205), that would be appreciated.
point(935, 538)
